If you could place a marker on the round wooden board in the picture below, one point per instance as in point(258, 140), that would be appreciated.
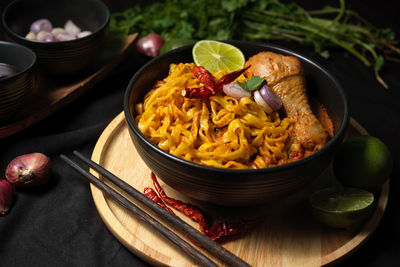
point(289, 236)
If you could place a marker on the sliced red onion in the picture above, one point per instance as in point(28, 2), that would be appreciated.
point(270, 98)
point(234, 90)
point(41, 25)
point(260, 100)
point(71, 27)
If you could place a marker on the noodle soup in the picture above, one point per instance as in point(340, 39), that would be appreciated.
point(218, 131)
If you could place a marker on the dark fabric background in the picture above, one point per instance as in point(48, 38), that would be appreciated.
point(58, 224)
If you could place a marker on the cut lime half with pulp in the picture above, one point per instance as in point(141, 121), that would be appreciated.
point(341, 207)
point(215, 56)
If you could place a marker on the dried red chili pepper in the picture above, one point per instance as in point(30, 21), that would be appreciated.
point(150, 193)
point(211, 85)
point(225, 229)
point(187, 209)
point(205, 77)
point(197, 92)
point(230, 77)
point(215, 232)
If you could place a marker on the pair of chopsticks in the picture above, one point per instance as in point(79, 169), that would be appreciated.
point(205, 242)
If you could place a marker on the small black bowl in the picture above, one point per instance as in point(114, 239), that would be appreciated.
point(59, 57)
point(227, 186)
point(17, 85)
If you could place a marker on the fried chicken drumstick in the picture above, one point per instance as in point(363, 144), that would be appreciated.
point(285, 77)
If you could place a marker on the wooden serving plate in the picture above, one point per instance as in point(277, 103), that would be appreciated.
point(290, 236)
point(53, 92)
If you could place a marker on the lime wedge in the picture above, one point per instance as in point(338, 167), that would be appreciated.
point(341, 207)
point(215, 56)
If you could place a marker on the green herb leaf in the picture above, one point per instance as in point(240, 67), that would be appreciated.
point(378, 63)
point(255, 83)
point(263, 20)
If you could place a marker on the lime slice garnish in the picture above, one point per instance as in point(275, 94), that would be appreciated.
point(215, 56)
point(341, 207)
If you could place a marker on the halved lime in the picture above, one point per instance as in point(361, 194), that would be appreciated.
point(341, 207)
point(215, 56)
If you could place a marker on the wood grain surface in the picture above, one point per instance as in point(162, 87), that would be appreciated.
point(289, 235)
point(53, 92)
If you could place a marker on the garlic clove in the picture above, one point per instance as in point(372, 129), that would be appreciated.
point(6, 196)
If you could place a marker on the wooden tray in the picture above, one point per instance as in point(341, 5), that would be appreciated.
point(54, 92)
point(289, 237)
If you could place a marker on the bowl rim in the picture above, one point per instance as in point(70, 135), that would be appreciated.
point(336, 138)
point(51, 44)
point(27, 49)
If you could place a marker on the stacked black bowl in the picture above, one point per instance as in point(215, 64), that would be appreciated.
point(59, 57)
point(16, 77)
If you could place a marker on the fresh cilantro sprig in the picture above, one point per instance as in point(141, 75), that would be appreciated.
point(255, 83)
point(182, 22)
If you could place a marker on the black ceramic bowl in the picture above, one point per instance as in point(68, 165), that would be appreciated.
point(16, 77)
point(237, 187)
point(59, 57)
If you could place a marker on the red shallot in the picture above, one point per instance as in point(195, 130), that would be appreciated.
point(29, 169)
point(234, 90)
point(150, 45)
point(260, 100)
point(71, 27)
point(45, 36)
point(65, 36)
point(273, 101)
point(42, 30)
point(6, 196)
point(41, 25)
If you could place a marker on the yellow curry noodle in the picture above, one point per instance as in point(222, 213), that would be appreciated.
point(220, 131)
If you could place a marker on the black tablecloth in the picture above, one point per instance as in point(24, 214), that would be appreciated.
point(58, 224)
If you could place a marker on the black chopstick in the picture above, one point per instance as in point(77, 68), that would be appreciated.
point(185, 246)
point(211, 246)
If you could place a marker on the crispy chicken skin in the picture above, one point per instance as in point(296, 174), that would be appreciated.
point(285, 77)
